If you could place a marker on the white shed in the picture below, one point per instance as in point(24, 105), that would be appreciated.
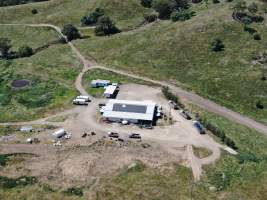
point(110, 91)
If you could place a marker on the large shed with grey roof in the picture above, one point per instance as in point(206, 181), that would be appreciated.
point(131, 111)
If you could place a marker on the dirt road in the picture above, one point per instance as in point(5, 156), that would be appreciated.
point(190, 96)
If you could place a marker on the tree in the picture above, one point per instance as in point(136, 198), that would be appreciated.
point(240, 5)
point(151, 18)
point(257, 36)
point(259, 105)
point(164, 8)
point(181, 15)
point(217, 45)
point(92, 17)
point(253, 7)
point(71, 32)
point(146, 3)
point(25, 51)
point(5, 46)
point(106, 27)
point(34, 11)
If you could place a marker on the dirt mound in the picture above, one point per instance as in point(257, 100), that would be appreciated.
point(20, 83)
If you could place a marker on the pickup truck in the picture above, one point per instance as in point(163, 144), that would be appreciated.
point(135, 136)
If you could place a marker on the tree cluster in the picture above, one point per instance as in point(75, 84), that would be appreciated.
point(6, 53)
point(92, 17)
point(165, 8)
point(71, 32)
point(105, 26)
point(170, 96)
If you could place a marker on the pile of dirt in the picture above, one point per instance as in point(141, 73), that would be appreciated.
point(19, 83)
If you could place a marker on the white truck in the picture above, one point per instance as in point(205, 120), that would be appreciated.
point(80, 102)
point(86, 98)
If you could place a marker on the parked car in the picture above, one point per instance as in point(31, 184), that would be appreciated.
point(113, 134)
point(101, 105)
point(185, 115)
point(135, 136)
point(79, 102)
point(199, 127)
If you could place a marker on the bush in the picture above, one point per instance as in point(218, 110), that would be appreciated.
point(182, 15)
point(253, 7)
point(249, 30)
point(216, 1)
point(74, 191)
point(106, 27)
point(5, 46)
point(259, 105)
point(34, 11)
point(217, 45)
point(25, 51)
point(256, 36)
point(151, 18)
point(92, 18)
point(71, 32)
point(196, 1)
point(164, 8)
point(146, 3)
point(170, 96)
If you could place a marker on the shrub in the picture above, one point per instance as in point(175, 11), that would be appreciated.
point(151, 18)
point(92, 17)
point(263, 78)
point(74, 191)
point(182, 15)
point(106, 27)
point(34, 11)
point(250, 30)
point(25, 51)
point(217, 45)
point(196, 1)
point(216, 1)
point(71, 32)
point(253, 7)
point(170, 96)
point(259, 105)
point(256, 36)
point(146, 3)
point(5, 46)
point(164, 8)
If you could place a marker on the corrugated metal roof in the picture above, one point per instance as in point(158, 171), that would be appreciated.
point(110, 89)
point(125, 109)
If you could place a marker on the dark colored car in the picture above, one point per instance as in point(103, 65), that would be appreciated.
point(199, 127)
point(135, 136)
point(185, 115)
point(113, 134)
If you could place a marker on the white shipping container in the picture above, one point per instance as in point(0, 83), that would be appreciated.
point(59, 133)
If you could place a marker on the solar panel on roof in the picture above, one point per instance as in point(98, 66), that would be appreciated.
point(117, 107)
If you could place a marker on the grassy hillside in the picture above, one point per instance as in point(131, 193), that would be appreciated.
point(181, 52)
point(127, 13)
point(51, 74)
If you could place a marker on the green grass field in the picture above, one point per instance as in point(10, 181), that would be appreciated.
point(128, 13)
point(181, 53)
point(51, 73)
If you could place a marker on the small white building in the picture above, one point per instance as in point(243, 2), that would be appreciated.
point(131, 111)
point(110, 91)
point(100, 83)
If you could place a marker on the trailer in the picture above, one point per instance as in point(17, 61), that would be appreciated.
point(59, 133)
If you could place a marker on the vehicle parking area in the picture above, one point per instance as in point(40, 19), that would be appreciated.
point(91, 152)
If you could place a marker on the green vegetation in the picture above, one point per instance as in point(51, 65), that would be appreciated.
point(51, 77)
point(71, 32)
point(105, 27)
point(127, 14)
point(113, 77)
point(181, 53)
point(201, 152)
point(92, 17)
